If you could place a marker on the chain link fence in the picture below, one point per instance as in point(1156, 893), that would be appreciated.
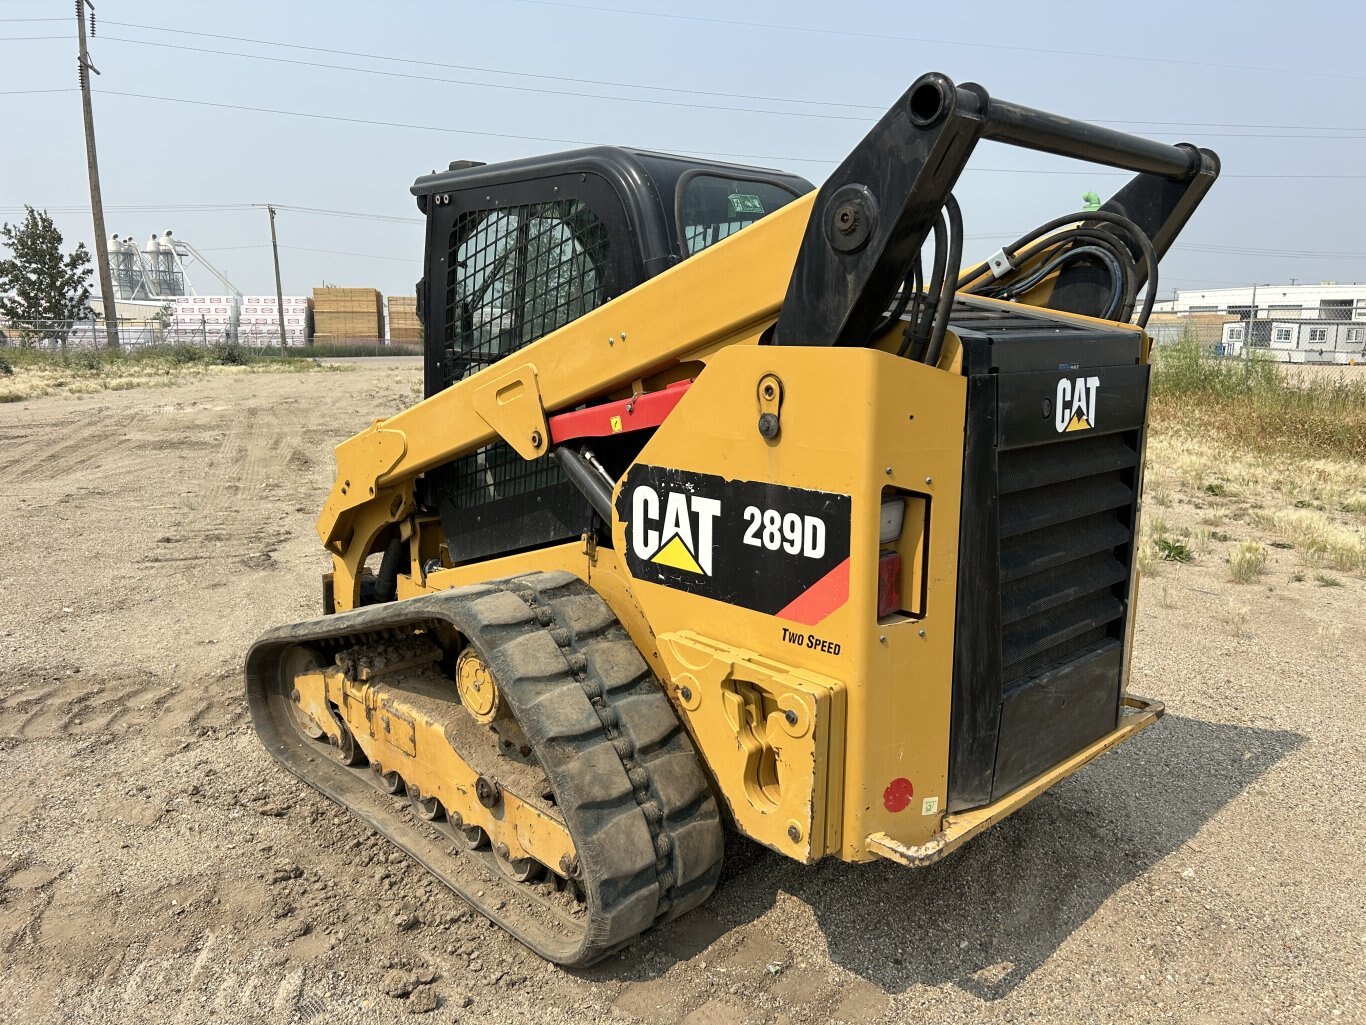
point(74, 335)
point(1285, 338)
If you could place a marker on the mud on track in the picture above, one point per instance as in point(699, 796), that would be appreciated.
point(156, 866)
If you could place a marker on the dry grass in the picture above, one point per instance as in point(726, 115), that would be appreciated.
point(1236, 618)
point(1247, 562)
point(33, 373)
point(1259, 405)
point(1320, 540)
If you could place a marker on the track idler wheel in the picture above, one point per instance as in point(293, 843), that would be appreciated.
point(519, 870)
point(344, 747)
point(471, 838)
point(426, 808)
point(389, 782)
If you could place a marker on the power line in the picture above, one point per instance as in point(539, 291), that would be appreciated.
point(347, 213)
point(148, 208)
point(308, 249)
point(622, 85)
point(494, 71)
point(485, 85)
point(628, 99)
point(826, 161)
point(425, 128)
point(826, 30)
point(621, 99)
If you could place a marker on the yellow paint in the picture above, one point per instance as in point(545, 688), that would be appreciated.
point(872, 701)
point(963, 826)
point(392, 725)
point(765, 727)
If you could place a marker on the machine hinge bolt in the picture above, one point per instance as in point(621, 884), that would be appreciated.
point(791, 717)
point(794, 834)
point(685, 693)
point(502, 850)
point(487, 791)
point(535, 439)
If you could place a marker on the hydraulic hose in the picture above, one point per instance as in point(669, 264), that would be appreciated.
point(386, 580)
point(918, 328)
point(947, 291)
point(1106, 257)
point(1097, 236)
point(1140, 238)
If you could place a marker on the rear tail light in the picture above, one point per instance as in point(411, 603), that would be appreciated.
point(888, 583)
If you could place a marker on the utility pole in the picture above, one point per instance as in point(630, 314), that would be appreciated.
point(1251, 326)
point(279, 292)
point(111, 313)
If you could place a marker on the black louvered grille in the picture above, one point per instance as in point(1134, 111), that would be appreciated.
point(1065, 515)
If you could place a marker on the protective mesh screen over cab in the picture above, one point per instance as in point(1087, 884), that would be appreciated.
point(515, 274)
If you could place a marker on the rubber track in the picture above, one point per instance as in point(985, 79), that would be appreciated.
point(624, 772)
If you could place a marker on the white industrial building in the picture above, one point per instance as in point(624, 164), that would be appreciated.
point(1323, 323)
point(1305, 341)
point(1327, 300)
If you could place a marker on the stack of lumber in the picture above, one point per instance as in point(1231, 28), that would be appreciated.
point(347, 314)
point(403, 323)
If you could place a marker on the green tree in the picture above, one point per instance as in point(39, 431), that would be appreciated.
point(40, 284)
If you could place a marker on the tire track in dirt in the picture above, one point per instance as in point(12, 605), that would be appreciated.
point(78, 710)
point(88, 450)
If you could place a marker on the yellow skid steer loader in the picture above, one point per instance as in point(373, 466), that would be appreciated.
point(735, 504)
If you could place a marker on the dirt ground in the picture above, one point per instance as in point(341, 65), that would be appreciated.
point(156, 865)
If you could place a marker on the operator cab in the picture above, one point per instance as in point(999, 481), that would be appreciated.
point(519, 249)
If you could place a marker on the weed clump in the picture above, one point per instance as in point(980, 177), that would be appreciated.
point(1173, 550)
point(1247, 562)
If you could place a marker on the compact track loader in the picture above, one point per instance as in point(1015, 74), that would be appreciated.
point(734, 503)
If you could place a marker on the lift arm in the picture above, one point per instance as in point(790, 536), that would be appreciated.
point(825, 267)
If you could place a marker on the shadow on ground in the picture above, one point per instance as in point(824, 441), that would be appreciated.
point(988, 915)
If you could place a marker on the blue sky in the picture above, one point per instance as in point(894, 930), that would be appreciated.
point(793, 85)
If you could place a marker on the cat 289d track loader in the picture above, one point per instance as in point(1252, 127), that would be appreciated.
point(727, 507)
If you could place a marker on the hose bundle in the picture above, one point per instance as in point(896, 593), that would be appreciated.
point(1082, 238)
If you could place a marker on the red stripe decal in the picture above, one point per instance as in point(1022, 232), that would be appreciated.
point(644, 411)
point(821, 598)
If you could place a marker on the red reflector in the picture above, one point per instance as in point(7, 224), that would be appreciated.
point(898, 794)
point(888, 584)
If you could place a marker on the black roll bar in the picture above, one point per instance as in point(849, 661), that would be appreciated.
point(873, 213)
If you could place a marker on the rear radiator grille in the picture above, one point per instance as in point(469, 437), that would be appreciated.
point(1066, 515)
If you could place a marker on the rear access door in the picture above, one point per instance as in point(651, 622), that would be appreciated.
point(1053, 456)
